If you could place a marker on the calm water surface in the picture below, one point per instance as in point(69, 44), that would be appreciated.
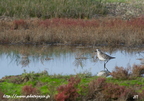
point(65, 60)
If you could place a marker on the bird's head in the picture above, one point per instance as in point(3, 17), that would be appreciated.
point(97, 50)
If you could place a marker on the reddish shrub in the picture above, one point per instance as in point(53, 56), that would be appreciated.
point(115, 91)
point(20, 24)
point(68, 92)
point(100, 90)
point(97, 84)
point(120, 73)
point(128, 73)
point(95, 87)
point(137, 71)
point(28, 89)
point(136, 22)
point(113, 23)
point(141, 95)
point(69, 22)
point(1, 95)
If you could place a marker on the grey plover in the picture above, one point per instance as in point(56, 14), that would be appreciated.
point(103, 57)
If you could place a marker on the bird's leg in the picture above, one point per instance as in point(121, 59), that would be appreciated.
point(105, 65)
point(106, 69)
point(106, 61)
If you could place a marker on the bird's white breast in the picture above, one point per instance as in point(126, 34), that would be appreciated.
point(100, 57)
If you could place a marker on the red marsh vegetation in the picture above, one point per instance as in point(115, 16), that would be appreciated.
point(64, 31)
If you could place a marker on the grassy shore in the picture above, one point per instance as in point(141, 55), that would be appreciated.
point(75, 87)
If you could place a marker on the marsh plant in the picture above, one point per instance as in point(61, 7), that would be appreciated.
point(58, 31)
point(28, 89)
point(128, 73)
point(100, 90)
point(74, 88)
point(68, 92)
point(52, 8)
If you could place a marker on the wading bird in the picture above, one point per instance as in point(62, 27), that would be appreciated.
point(103, 57)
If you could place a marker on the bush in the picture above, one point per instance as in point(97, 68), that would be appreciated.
point(115, 91)
point(20, 24)
point(137, 71)
point(95, 87)
point(1, 95)
point(100, 90)
point(141, 96)
point(68, 92)
point(120, 73)
point(128, 73)
point(28, 89)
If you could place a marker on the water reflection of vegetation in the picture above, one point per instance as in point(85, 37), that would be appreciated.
point(80, 59)
point(23, 55)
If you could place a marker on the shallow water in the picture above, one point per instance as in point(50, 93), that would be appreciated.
point(63, 60)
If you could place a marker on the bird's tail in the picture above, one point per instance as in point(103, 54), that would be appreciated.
point(112, 58)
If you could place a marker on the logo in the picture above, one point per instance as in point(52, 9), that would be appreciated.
point(135, 97)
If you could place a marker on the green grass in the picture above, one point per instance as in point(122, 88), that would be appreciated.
point(45, 83)
point(48, 84)
point(51, 8)
point(10, 88)
point(55, 8)
point(138, 81)
point(123, 1)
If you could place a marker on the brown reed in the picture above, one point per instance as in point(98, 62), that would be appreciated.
point(108, 32)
